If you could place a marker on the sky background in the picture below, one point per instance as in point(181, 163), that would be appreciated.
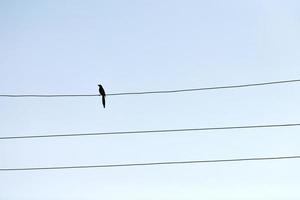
point(67, 47)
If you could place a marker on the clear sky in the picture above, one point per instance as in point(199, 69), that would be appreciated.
point(69, 47)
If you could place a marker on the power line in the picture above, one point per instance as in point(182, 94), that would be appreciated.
point(151, 92)
point(150, 163)
point(149, 131)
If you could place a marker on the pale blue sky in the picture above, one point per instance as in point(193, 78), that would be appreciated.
point(71, 46)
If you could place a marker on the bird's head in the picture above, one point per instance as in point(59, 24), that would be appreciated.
point(99, 85)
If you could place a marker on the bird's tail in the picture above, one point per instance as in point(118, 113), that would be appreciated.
point(103, 101)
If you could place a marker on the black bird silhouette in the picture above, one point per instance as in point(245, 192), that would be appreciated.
point(102, 93)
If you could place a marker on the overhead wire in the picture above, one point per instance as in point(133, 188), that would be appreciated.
point(151, 163)
point(149, 131)
point(151, 92)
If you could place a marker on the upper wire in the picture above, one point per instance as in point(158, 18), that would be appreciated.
point(151, 92)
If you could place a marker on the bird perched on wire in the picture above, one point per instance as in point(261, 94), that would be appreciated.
point(102, 93)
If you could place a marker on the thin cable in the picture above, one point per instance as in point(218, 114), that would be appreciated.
point(150, 163)
point(149, 131)
point(150, 92)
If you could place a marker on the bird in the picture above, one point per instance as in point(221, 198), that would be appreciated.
point(102, 93)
